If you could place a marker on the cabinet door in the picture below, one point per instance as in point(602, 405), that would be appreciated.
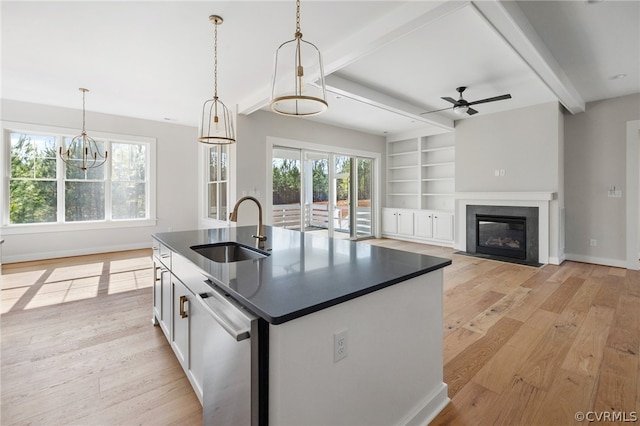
point(165, 301)
point(157, 291)
point(199, 326)
point(180, 324)
point(405, 222)
point(424, 224)
point(443, 226)
point(389, 221)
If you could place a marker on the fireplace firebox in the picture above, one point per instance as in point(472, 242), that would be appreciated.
point(507, 233)
point(504, 236)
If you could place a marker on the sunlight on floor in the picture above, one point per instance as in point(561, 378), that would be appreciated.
point(32, 285)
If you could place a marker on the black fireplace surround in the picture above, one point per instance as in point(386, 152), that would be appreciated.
point(503, 233)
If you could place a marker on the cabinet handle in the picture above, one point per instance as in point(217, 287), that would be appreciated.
point(183, 301)
point(164, 256)
point(162, 271)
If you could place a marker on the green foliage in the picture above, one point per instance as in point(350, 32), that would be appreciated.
point(286, 181)
point(33, 183)
point(32, 188)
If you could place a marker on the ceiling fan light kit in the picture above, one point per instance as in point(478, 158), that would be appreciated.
point(83, 152)
point(461, 106)
point(298, 90)
point(216, 126)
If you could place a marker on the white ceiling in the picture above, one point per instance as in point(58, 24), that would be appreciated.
point(386, 61)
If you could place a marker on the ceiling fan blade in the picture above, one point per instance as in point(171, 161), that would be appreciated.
point(495, 98)
point(438, 110)
point(448, 99)
point(471, 111)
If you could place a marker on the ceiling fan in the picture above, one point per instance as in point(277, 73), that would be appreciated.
point(461, 106)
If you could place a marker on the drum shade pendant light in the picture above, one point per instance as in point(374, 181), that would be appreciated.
point(216, 127)
point(298, 87)
point(83, 152)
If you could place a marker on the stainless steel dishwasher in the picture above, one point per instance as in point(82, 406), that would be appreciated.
point(231, 382)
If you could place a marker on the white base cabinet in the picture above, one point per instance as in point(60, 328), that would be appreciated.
point(397, 221)
point(430, 226)
point(179, 312)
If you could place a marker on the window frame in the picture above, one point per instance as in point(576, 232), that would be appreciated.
point(60, 133)
point(218, 182)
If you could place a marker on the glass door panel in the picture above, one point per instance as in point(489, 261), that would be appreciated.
point(316, 189)
point(364, 190)
point(287, 188)
point(342, 205)
point(314, 192)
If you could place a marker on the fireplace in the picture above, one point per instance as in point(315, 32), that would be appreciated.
point(503, 233)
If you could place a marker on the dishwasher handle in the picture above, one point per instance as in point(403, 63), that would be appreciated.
point(222, 312)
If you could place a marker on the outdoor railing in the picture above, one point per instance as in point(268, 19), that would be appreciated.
point(317, 216)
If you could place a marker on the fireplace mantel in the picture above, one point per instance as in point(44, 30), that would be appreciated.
point(541, 200)
point(507, 196)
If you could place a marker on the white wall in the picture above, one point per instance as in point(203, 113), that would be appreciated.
point(595, 155)
point(522, 142)
point(252, 156)
point(176, 189)
point(528, 144)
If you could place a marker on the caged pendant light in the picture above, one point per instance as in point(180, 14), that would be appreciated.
point(298, 90)
point(83, 151)
point(216, 127)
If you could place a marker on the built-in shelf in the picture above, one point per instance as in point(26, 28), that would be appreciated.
point(447, 163)
point(421, 173)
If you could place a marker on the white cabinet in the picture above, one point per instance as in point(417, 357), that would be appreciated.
point(420, 189)
point(162, 288)
point(443, 226)
point(434, 225)
point(397, 221)
point(424, 224)
point(180, 321)
point(418, 225)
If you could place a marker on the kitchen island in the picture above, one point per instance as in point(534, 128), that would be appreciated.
point(350, 333)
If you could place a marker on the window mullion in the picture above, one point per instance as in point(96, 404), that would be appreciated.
point(60, 181)
point(107, 183)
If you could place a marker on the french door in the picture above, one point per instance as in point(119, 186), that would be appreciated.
point(322, 192)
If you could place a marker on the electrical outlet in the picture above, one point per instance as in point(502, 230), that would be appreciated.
point(340, 345)
point(593, 242)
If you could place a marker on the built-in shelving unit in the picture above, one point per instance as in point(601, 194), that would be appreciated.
point(438, 162)
point(421, 173)
point(403, 173)
point(420, 189)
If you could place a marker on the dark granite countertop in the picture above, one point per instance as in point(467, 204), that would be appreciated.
point(304, 272)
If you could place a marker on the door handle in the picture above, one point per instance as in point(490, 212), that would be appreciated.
point(183, 301)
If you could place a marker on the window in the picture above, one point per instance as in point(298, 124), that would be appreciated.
point(41, 189)
point(217, 182)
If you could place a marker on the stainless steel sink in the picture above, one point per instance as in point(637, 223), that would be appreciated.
point(229, 252)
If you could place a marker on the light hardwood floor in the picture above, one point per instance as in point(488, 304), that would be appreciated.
point(522, 345)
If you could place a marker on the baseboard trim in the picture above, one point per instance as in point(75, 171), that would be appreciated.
point(429, 408)
point(28, 257)
point(440, 243)
point(617, 263)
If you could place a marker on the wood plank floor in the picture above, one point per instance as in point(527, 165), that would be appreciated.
point(522, 345)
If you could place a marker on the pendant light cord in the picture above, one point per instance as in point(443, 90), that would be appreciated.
point(298, 19)
point(215, 61)
point(84, 91)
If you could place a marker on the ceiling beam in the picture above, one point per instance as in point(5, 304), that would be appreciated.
point(509, 21)
point(350, 89)
point(399, 22)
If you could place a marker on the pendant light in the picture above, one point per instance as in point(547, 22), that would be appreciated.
point(83, 152)
point(216, 127)
point(298, 90)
